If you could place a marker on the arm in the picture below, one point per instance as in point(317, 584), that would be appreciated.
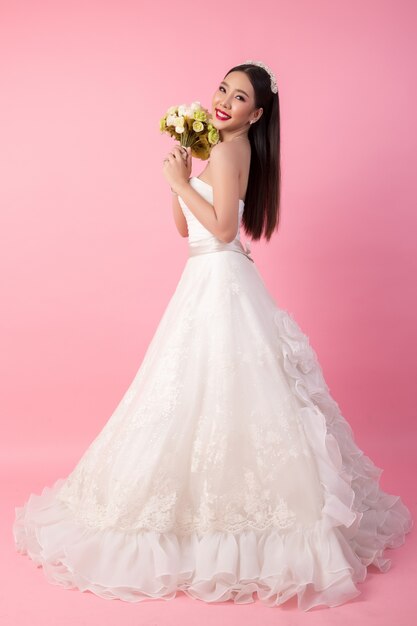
point(221, 219)
point(179, 218)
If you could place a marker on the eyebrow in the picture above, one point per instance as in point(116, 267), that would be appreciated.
point(224, 83)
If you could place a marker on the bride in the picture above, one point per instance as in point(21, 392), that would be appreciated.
point(227, 471)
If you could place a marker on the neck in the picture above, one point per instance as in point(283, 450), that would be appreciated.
point(232, 137)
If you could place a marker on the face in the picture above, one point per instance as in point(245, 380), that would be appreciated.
point(234, 96)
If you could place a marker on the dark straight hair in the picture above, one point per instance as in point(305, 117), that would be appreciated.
point(263, 194)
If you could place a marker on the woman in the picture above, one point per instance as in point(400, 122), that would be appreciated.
point(227, 470)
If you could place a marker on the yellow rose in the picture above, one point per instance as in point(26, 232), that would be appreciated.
point(200, 115)
point(198, 127)
point(213, 136)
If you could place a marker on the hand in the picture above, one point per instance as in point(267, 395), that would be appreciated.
point(188, 159)
point(177, 166)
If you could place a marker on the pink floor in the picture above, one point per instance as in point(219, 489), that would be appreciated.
point(27, 597)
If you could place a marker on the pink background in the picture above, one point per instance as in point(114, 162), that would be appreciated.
point(90, 254)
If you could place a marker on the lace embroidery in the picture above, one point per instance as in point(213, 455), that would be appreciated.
point(156, 465)
point(246, 497)
point(165, 510)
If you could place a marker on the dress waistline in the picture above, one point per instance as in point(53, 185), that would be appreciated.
point(214, 245)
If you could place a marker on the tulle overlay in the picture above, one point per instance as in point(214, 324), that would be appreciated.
point(226, 471)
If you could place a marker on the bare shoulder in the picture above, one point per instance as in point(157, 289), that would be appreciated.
point(224, 149)
point(225, 155)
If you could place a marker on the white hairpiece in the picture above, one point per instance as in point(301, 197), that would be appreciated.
point(274, 87)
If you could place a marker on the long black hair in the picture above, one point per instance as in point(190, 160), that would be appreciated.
point(263, 194)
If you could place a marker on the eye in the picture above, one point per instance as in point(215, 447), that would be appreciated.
point(238, 96)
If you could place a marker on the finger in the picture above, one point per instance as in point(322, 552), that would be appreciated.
point(181, 149)
point(178, 151)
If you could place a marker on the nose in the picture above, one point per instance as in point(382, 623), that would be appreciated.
point(226, 103)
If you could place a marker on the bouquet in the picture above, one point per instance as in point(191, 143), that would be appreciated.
point(192, 127)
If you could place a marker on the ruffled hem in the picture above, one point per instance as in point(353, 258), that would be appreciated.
point(370, 519)
point(319, 564)
point(315, 564)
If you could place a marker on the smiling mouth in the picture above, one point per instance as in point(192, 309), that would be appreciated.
point(222, 116)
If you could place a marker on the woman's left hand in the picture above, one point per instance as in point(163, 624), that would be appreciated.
point(175, 167)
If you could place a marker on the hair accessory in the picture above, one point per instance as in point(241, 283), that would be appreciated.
point(274, 87)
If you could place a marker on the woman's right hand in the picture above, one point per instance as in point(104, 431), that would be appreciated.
point(186, 155)
point(189, 159)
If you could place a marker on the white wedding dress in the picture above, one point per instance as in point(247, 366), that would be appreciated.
point(227, 470)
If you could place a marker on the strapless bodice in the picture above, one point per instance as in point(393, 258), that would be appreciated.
point(196, 230)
